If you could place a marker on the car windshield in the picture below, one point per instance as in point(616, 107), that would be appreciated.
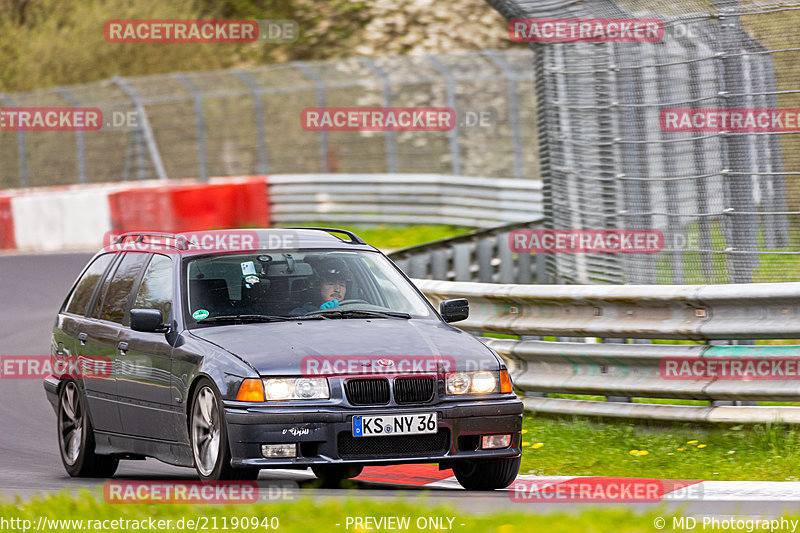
point(270, 286)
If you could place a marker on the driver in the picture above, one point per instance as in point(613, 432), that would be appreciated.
point(332, 277)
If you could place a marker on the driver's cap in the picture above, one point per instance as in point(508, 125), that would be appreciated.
point(333, 269)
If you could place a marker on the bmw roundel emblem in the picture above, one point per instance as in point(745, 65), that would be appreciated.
point(385, 362)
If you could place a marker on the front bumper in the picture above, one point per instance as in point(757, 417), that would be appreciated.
point(51, 389)
point(323, 434)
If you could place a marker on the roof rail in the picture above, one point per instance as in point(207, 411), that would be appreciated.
point(354, 239)
point(180, 244)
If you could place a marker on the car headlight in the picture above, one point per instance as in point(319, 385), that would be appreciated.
point(296, 389)
point(482, 382)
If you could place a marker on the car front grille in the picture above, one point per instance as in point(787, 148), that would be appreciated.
point(367, 391)
point(413, 390)
point(395, 446)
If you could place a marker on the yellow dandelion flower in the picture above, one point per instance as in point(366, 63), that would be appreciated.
point(537, 445)
point(634, 452)
point(505, 528)
point(702, 445)
point(525, 444)
point(643, 452)
point(692, 442)
point(682, 449)
point(523, 432)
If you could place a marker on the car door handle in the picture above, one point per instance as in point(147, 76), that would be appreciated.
point(123, 348)
point(83, 337)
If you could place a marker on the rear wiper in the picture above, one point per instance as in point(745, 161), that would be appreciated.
point(256, 318)
point(361, 313)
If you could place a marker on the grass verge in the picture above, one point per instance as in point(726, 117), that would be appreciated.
point(394, 237)
point(310, 515)
point(585, 447)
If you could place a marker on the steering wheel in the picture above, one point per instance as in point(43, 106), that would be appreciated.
point(353, 301)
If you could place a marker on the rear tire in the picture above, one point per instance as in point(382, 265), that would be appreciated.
point(76, 437)
point(209, 438)
point(333, 475)
point(487, 474)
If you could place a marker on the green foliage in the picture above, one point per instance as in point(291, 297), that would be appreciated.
point(45, 43)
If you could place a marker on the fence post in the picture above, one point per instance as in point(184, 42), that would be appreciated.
point(743, 228)
point(500, 61)
point(258, 107)
point(441, 68)
point(200, 125)
point(144, 125)
point(21, 151)
point(391, 142)
point(81, 155)
point(321, 102)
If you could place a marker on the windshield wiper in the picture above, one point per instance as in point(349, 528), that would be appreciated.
point(361, 313)
point(256, 318)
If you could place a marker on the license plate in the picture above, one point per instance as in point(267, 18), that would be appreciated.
point(386, 425)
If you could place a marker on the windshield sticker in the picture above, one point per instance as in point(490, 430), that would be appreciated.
point(200, 314)
point(248, 268)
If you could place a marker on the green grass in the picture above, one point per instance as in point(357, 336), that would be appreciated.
point(584, 447)
point(315, 515)
point(394, 237)
point(322, 515)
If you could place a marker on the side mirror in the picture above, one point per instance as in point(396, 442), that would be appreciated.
point(454, 310)
point(148, 320)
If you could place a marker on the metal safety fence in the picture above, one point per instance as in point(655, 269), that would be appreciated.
point(248, 121)
point(483, 256)
point(724, 197)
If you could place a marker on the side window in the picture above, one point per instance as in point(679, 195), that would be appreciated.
point(94, 312)
point(119, 292)
point(155, 292)
point(79, 300)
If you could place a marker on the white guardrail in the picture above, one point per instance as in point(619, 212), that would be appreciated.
point(403, 199)
point(620, 371)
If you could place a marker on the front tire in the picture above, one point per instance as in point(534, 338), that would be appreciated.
point(209, 438)
point(76, 437)
point(487, 474)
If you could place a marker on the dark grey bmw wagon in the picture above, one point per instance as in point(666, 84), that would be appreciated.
point(237, 350)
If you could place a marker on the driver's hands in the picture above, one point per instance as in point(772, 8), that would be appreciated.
point(330, 304)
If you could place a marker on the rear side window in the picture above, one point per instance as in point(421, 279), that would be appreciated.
point(155, 292)
point(79, 300)
point(119, 292)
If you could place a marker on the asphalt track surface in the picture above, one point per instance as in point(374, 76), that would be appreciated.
point(32, 288)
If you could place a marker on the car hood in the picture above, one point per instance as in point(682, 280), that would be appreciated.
point(283, 348)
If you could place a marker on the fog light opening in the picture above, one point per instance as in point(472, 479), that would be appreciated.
point(495, 442)
point(279, 450)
